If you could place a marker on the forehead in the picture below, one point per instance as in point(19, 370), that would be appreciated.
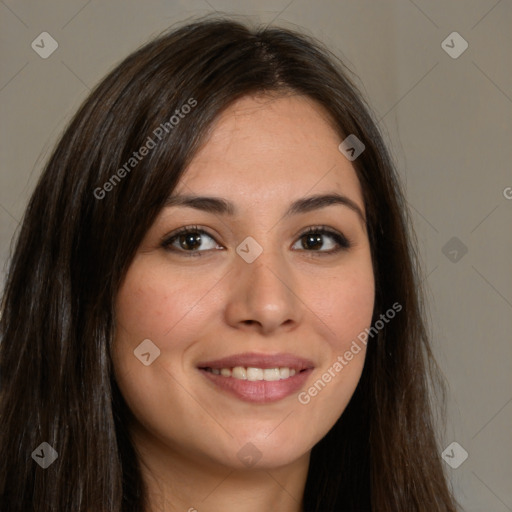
point(268, 147)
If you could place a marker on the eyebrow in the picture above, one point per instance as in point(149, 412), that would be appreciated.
point(221, 206)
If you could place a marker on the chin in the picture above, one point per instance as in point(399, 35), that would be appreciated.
point(263, 452)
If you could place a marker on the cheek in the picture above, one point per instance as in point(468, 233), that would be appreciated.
point(345, 308)
point(345, 303)
point(151, 303)
point(167, 309)
point(148, 306)
point(352, 307)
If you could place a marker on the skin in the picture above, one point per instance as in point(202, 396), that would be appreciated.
point(262, 154)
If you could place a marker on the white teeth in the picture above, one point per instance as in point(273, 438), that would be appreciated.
point(239, 372)
point(271, 374)
point(253, 374)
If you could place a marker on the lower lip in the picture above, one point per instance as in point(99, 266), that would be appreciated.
point(260, 391)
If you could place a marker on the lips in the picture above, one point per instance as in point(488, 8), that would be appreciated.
point(227, 374)
point(253, 360)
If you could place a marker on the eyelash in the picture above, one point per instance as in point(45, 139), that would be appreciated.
point(343, 242)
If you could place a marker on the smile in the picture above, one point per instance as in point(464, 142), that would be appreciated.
point(254, 374)
point(256, 377)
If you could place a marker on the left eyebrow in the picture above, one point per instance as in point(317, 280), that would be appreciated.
point(308, 204)
point(304, 205)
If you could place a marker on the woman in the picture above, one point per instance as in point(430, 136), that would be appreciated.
point(214, 301)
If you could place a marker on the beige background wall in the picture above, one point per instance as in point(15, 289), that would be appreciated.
point(448, 123)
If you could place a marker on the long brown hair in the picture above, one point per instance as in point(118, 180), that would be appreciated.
point(79, 235)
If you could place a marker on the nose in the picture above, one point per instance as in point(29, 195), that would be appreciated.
point(264, 295)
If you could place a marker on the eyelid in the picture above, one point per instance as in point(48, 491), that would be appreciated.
point(185, 229)
point(341, 239)
point(166, 240)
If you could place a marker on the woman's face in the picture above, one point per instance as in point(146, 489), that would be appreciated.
point(251, 289)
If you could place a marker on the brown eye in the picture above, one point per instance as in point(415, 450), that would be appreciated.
point(313, 240)
point(191, 240)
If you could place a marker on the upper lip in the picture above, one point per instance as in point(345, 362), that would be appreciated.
point(254, 360)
